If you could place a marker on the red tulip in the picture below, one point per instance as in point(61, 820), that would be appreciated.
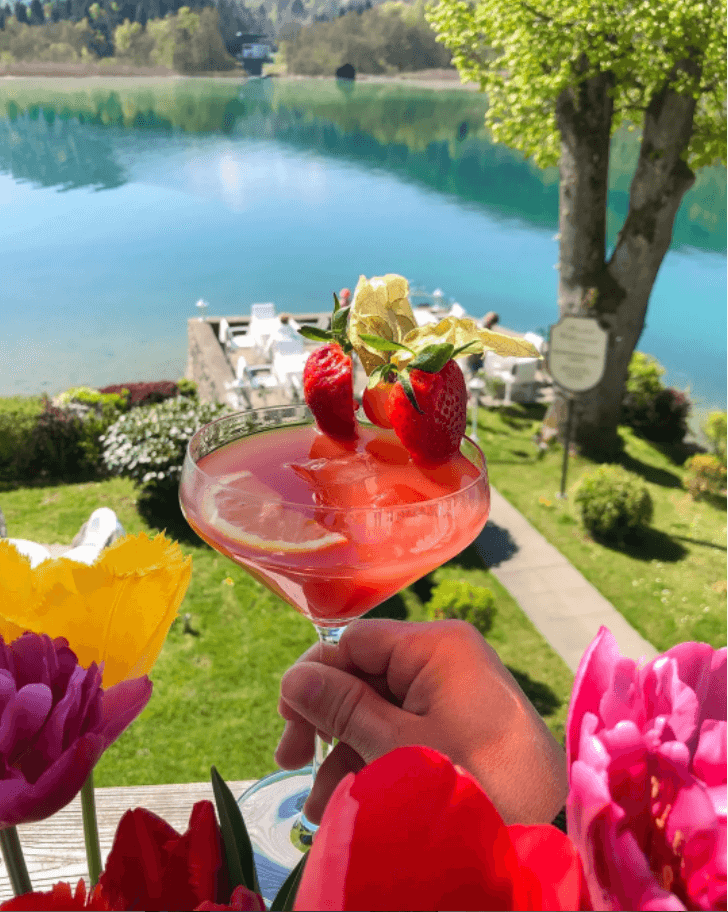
point(60, 899)
point(646, 750)
point(151, 866)
point(412, 831)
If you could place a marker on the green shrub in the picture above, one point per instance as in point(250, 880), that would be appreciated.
point(613, 502)
point(55, 447)
point(644, 380)
point(453, 599)
point(655, 412)
point(187, 387)
point(148, 444)
point(705, 476)
point(715, 429)
point(18, 415)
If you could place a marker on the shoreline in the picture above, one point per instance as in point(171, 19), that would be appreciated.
point(437, 79)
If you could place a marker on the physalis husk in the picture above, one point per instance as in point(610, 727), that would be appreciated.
point(459, 332)
point(380, 307)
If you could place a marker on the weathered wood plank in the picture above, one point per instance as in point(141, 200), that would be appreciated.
point(54, 848)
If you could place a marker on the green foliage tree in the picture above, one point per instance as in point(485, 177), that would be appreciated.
point(561, 77)
point(389, 38)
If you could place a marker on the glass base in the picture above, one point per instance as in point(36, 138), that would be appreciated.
point(278, 830)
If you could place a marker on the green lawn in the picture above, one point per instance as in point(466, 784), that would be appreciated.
point(670, 584)
point(216, 683)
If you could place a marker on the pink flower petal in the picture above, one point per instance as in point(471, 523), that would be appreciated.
point(664, 694)
point(709, 762)
point(622, 699)
point(593, 679)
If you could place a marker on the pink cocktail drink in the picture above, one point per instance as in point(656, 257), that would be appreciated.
point(334, 528)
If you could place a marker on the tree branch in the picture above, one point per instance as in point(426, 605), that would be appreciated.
point(534, 12)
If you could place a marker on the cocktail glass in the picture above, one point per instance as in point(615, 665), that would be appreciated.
point(363, 535)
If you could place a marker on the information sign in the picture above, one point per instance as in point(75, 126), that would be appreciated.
point(577, 353)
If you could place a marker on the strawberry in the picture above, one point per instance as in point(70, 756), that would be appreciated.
point(328, 377)
point(328, 389)
point(432, 434)
point(427, 399)
point(374, 401)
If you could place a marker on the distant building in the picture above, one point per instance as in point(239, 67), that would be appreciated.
point(255, 51)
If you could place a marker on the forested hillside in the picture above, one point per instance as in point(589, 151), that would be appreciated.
point(389, 38)
point(191, 36)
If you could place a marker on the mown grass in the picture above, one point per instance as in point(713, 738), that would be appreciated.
point(670, 583)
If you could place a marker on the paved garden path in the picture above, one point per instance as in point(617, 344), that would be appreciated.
point(565, 608)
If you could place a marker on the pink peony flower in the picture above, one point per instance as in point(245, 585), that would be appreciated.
point(55, 723)
point(646, 751)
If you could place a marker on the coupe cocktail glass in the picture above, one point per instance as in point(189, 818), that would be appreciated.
point(334, 529)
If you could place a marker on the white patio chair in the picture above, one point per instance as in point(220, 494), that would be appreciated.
point(264, 330)
point(518, 374)
point(288, 345)
point(288, 368)
point(263, 311)
point(233, 340)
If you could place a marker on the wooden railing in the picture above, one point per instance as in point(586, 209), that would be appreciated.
point(54, 848)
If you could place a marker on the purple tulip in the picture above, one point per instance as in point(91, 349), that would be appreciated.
point(646, 751)
point(55, 722)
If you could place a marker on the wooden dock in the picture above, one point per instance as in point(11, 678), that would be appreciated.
point(54, 848)
point(211, 367)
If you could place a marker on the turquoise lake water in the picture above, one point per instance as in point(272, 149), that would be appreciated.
point(122, 204)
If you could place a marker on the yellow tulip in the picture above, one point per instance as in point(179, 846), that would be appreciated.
point(117, 611)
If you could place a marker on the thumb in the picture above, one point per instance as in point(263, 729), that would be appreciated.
point(344, 707)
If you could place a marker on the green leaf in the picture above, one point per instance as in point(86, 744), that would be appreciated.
point(381, 372)
point(339, 321)
point(238, 849)
point(433, 358)
point(286, 896)
point(314, 333)
point(404, 379)
point(384, 345)
point(337, 305)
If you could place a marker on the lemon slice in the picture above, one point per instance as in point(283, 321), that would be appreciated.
point(277, 527)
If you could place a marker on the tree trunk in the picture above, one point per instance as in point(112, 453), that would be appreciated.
point(617, 292)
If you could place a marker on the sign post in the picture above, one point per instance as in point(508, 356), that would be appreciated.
point(576, 361)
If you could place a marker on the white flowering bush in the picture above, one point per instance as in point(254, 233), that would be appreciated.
point(148, 444)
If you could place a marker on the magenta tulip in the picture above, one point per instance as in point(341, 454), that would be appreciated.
point(646, 750)
point(55, 723)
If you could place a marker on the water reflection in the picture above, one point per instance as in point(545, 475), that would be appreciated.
point(59, 136)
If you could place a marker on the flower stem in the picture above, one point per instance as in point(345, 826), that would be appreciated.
point(91, 830)
point(15, 861)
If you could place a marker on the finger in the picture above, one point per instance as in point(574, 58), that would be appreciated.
point(341, 760)
point(400, 650)
point(343, 706)
point(295, 749)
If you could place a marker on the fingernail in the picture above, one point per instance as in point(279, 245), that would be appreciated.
point(302, 686)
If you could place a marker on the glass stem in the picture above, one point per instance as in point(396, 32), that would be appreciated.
point(329, 636)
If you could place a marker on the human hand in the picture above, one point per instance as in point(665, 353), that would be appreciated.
point(439, 684)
